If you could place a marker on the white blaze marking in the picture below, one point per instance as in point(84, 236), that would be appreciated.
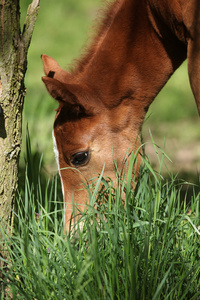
point(55, 148)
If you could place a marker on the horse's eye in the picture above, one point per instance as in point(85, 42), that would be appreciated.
point(80, 158)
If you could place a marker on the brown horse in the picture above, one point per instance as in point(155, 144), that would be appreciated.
point(103, 102)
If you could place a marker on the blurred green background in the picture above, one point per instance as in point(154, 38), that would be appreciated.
point(62, 28)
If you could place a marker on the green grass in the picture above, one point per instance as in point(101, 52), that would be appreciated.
point(144, 248)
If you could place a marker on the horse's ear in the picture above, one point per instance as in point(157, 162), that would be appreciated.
point(64, 94)
point(53, 70)
point(75, 97)
point(59, 91)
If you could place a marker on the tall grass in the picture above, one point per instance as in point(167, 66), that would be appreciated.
point(134, 243)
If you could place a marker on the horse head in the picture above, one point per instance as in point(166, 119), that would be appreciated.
point(87, 135)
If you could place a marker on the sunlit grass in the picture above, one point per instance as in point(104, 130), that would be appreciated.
point(133, 243)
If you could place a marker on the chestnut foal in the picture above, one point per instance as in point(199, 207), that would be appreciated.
point(103, 102)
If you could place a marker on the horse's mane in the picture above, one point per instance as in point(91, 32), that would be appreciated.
point(103, 22)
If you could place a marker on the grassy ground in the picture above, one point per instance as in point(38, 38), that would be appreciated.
point(61, 31)
point(145, 248)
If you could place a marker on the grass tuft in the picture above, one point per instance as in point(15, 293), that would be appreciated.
point(146, 247)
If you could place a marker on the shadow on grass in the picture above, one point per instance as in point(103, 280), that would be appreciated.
point(189, 184)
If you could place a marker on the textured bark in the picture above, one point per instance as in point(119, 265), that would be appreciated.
point(14, 46)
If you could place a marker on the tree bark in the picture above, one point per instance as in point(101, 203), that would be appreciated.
point(14, 46)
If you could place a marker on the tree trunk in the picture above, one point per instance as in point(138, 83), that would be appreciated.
point(14, 46)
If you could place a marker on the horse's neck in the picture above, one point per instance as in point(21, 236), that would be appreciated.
point(131, 60)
